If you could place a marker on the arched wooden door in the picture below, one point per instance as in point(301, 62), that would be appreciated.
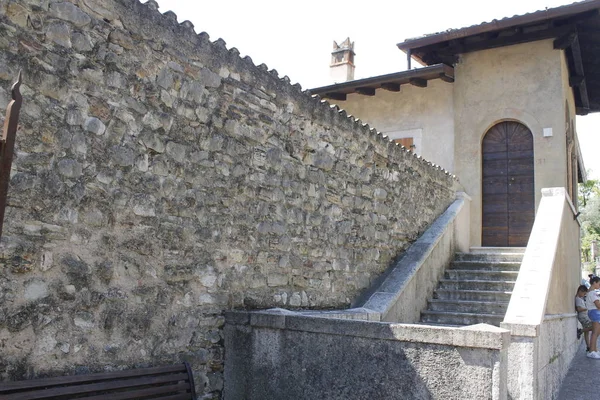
point(508, 193)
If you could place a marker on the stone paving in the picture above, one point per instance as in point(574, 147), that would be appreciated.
point(578, 383)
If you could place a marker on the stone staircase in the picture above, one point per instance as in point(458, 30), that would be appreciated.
point(476, 288)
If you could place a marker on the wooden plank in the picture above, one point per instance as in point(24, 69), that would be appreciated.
point(495, 141)
point(365, 91)
point(494, 156)
point(177, 397)
point(494, 238)
point(495, 167)
point(496, 203)
point(520, 154)
point(418, 82)
point(6, 387)
point(495, 186)
point(497, 220)
point(96, 387)
point(139, 393)
point(520, 167)
point(391, 87)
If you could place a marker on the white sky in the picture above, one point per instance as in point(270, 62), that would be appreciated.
point(296, 37)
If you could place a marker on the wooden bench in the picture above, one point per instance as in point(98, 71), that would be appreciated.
point(173, 382)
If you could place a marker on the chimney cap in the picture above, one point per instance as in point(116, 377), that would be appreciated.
point(346, 45)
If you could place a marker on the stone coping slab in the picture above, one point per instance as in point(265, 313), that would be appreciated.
point(474, 336)
point(405, 269)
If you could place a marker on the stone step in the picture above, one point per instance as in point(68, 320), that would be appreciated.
point(476, 288)
point(497, 250)
point(467, 306)
point(483, 275)
point(511, 257)
point(487, 265)
point(439, 324)
point(473, 295)
point(458, 318)
point(472, 284)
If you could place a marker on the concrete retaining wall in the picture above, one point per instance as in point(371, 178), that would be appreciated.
point(282, 355)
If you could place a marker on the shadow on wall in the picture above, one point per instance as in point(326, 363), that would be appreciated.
point(297, 357)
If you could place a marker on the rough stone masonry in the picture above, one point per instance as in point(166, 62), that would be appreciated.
point(160, 179)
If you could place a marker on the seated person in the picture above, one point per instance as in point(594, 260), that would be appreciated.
point(582, 315)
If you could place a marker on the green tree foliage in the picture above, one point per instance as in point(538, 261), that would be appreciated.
point(587, 190)
point(589, 202)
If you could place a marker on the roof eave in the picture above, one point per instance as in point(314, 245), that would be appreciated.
point(441, 71)
point(530, 18)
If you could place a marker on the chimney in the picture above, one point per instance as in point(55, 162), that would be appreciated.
point(342, 61)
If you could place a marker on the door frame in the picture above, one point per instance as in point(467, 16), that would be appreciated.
point(481, 170)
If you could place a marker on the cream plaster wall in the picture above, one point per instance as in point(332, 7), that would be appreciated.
point(522, 83)
point(426, 113)
point(527, 83)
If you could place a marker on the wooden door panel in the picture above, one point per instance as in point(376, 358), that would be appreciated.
point(495, 237)
point(495, 168)
point(517, 154)
point(499, 155)
point(495, 141)
point(519, 220)
point(518, 239)
point(520, 224)
point(519, 142)
point(519, 205)
point(497, 203)
point(515, 189)
point(497, 220)
point(495, 185)
point(508, 201)
point(520, 166)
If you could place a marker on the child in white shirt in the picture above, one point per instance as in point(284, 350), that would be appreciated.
point(592, 303)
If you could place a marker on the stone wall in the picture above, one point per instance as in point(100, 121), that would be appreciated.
point(161, 179)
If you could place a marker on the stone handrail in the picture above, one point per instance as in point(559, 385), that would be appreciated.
point(540, 314)
point(552, 251)
point(403, 294)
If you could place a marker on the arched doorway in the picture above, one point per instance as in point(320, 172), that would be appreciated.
point(508, 192)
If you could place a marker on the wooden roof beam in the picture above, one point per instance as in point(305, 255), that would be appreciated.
point(335, 96)
point(582, 111)
point(418, 82)
point(578, 64)
point(365, 91)
point(391, 87)
point(576, 80)
point(565, 41)
point(446, 78)
point(502, 41)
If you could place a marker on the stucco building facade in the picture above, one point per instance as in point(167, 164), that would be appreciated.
point(444, 110)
